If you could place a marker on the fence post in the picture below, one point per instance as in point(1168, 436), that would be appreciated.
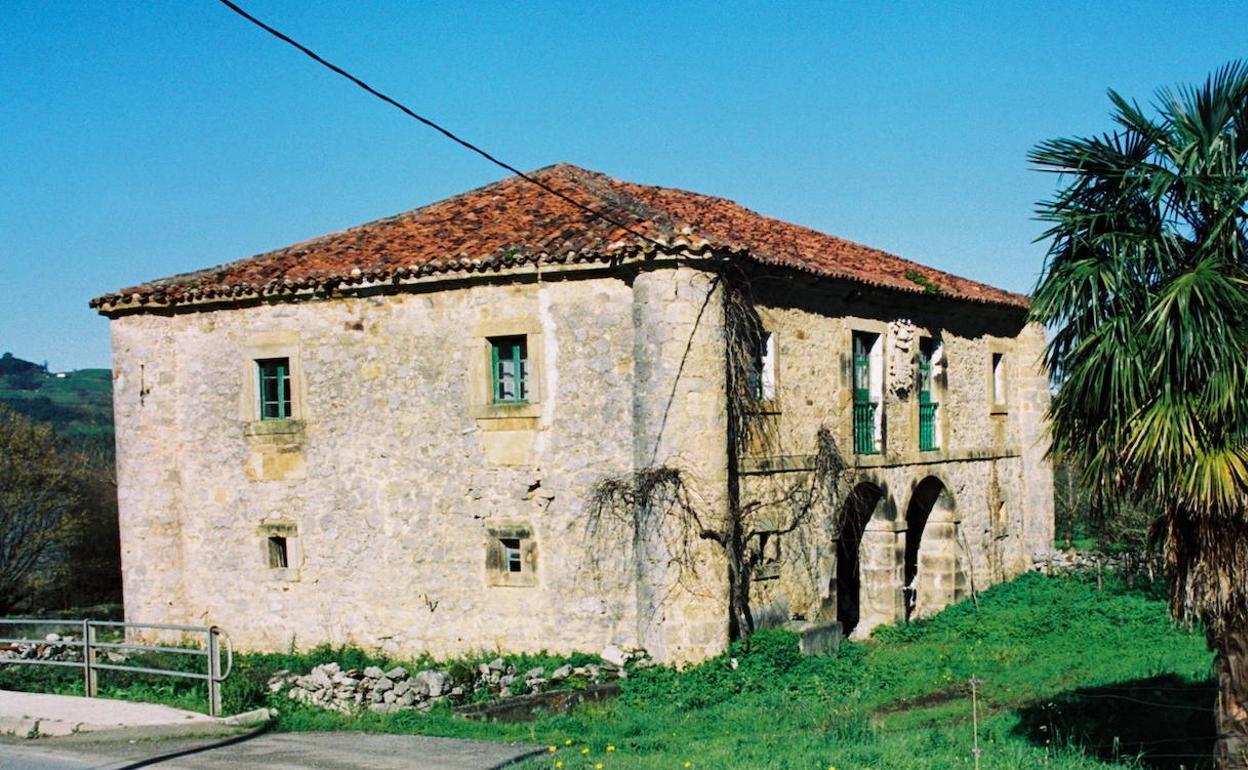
point(89, 675)
point(214, 672)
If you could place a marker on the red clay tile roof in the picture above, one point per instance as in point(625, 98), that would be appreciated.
point(512, 222)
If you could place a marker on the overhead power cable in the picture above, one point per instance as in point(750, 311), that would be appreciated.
point(431, 124)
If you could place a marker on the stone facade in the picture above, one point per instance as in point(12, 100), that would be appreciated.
point(396, 487)
point(973, 512)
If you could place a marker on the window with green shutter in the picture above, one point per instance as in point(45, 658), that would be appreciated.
point(928, 436)
point(274, 384)
point(864, 405)
point(509, 361)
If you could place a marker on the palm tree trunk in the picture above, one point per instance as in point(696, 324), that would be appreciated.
point(1231, 749)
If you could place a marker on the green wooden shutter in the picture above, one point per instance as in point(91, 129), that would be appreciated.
point(509, 368)
point(864, 408)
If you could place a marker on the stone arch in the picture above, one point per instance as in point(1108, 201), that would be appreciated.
point(932, 573)
point(868, 566)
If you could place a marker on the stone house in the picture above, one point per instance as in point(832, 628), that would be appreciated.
point(391, 435)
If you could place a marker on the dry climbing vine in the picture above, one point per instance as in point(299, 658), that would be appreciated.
point(659, 499)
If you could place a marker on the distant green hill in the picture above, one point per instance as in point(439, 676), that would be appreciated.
point(79, 404)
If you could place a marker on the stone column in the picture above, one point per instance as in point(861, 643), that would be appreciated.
point(881, 564)
point(680, 421)
point(940, 580)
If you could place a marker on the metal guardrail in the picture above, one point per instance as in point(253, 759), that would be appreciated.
point(90, 646)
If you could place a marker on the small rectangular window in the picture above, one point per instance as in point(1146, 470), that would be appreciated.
point(510, 555)
point(278, 558)
point(512, 561)
point(274, 384)
point(998, 379)
point(762, 374)
point(509, 360)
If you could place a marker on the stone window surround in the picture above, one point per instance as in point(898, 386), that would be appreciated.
point(998, 349)
point(867, 326)
point(294, 549)
point(266, 345)
point(481, 406)
point(497, 573)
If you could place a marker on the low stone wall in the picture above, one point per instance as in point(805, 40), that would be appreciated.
point(1073, 562)
point(329, 686)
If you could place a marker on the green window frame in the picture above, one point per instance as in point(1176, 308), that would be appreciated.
point(928, 439)
point(864, 407)
point(509, 370)
point(274, 400)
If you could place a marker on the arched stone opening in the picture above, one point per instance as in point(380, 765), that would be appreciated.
point(932, 574)
point(867, 563)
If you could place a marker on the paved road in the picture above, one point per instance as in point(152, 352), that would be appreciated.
point(272, 751)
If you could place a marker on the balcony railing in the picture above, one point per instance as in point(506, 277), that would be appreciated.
point(927, 427)
point(864, 428)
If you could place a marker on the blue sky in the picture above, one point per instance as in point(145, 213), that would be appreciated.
point(139, 140)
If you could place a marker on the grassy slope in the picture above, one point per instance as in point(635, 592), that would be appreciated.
point(1071, 677)
point(80, 404)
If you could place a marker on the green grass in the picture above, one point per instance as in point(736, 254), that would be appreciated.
point(1070, 677)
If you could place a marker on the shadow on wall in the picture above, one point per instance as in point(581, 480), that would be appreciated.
point(1162, 723)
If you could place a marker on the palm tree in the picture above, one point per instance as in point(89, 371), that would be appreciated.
point(1146, 292)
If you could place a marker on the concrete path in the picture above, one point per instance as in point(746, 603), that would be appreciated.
point(27, 714)
point(101, 734)
point(272, 751)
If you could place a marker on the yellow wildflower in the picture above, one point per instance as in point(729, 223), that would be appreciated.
point(610, 748)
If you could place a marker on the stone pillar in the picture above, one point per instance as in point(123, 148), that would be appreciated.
point(680, 421)
point(1036, 501)
point(940, 582)
point(881, 563)
point(148, 483)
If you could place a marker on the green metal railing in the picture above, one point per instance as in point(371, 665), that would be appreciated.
point(927, 427)
point(864, 428)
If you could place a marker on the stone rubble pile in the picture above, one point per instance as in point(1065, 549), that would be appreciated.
point(329, 686)
point(56, 647)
